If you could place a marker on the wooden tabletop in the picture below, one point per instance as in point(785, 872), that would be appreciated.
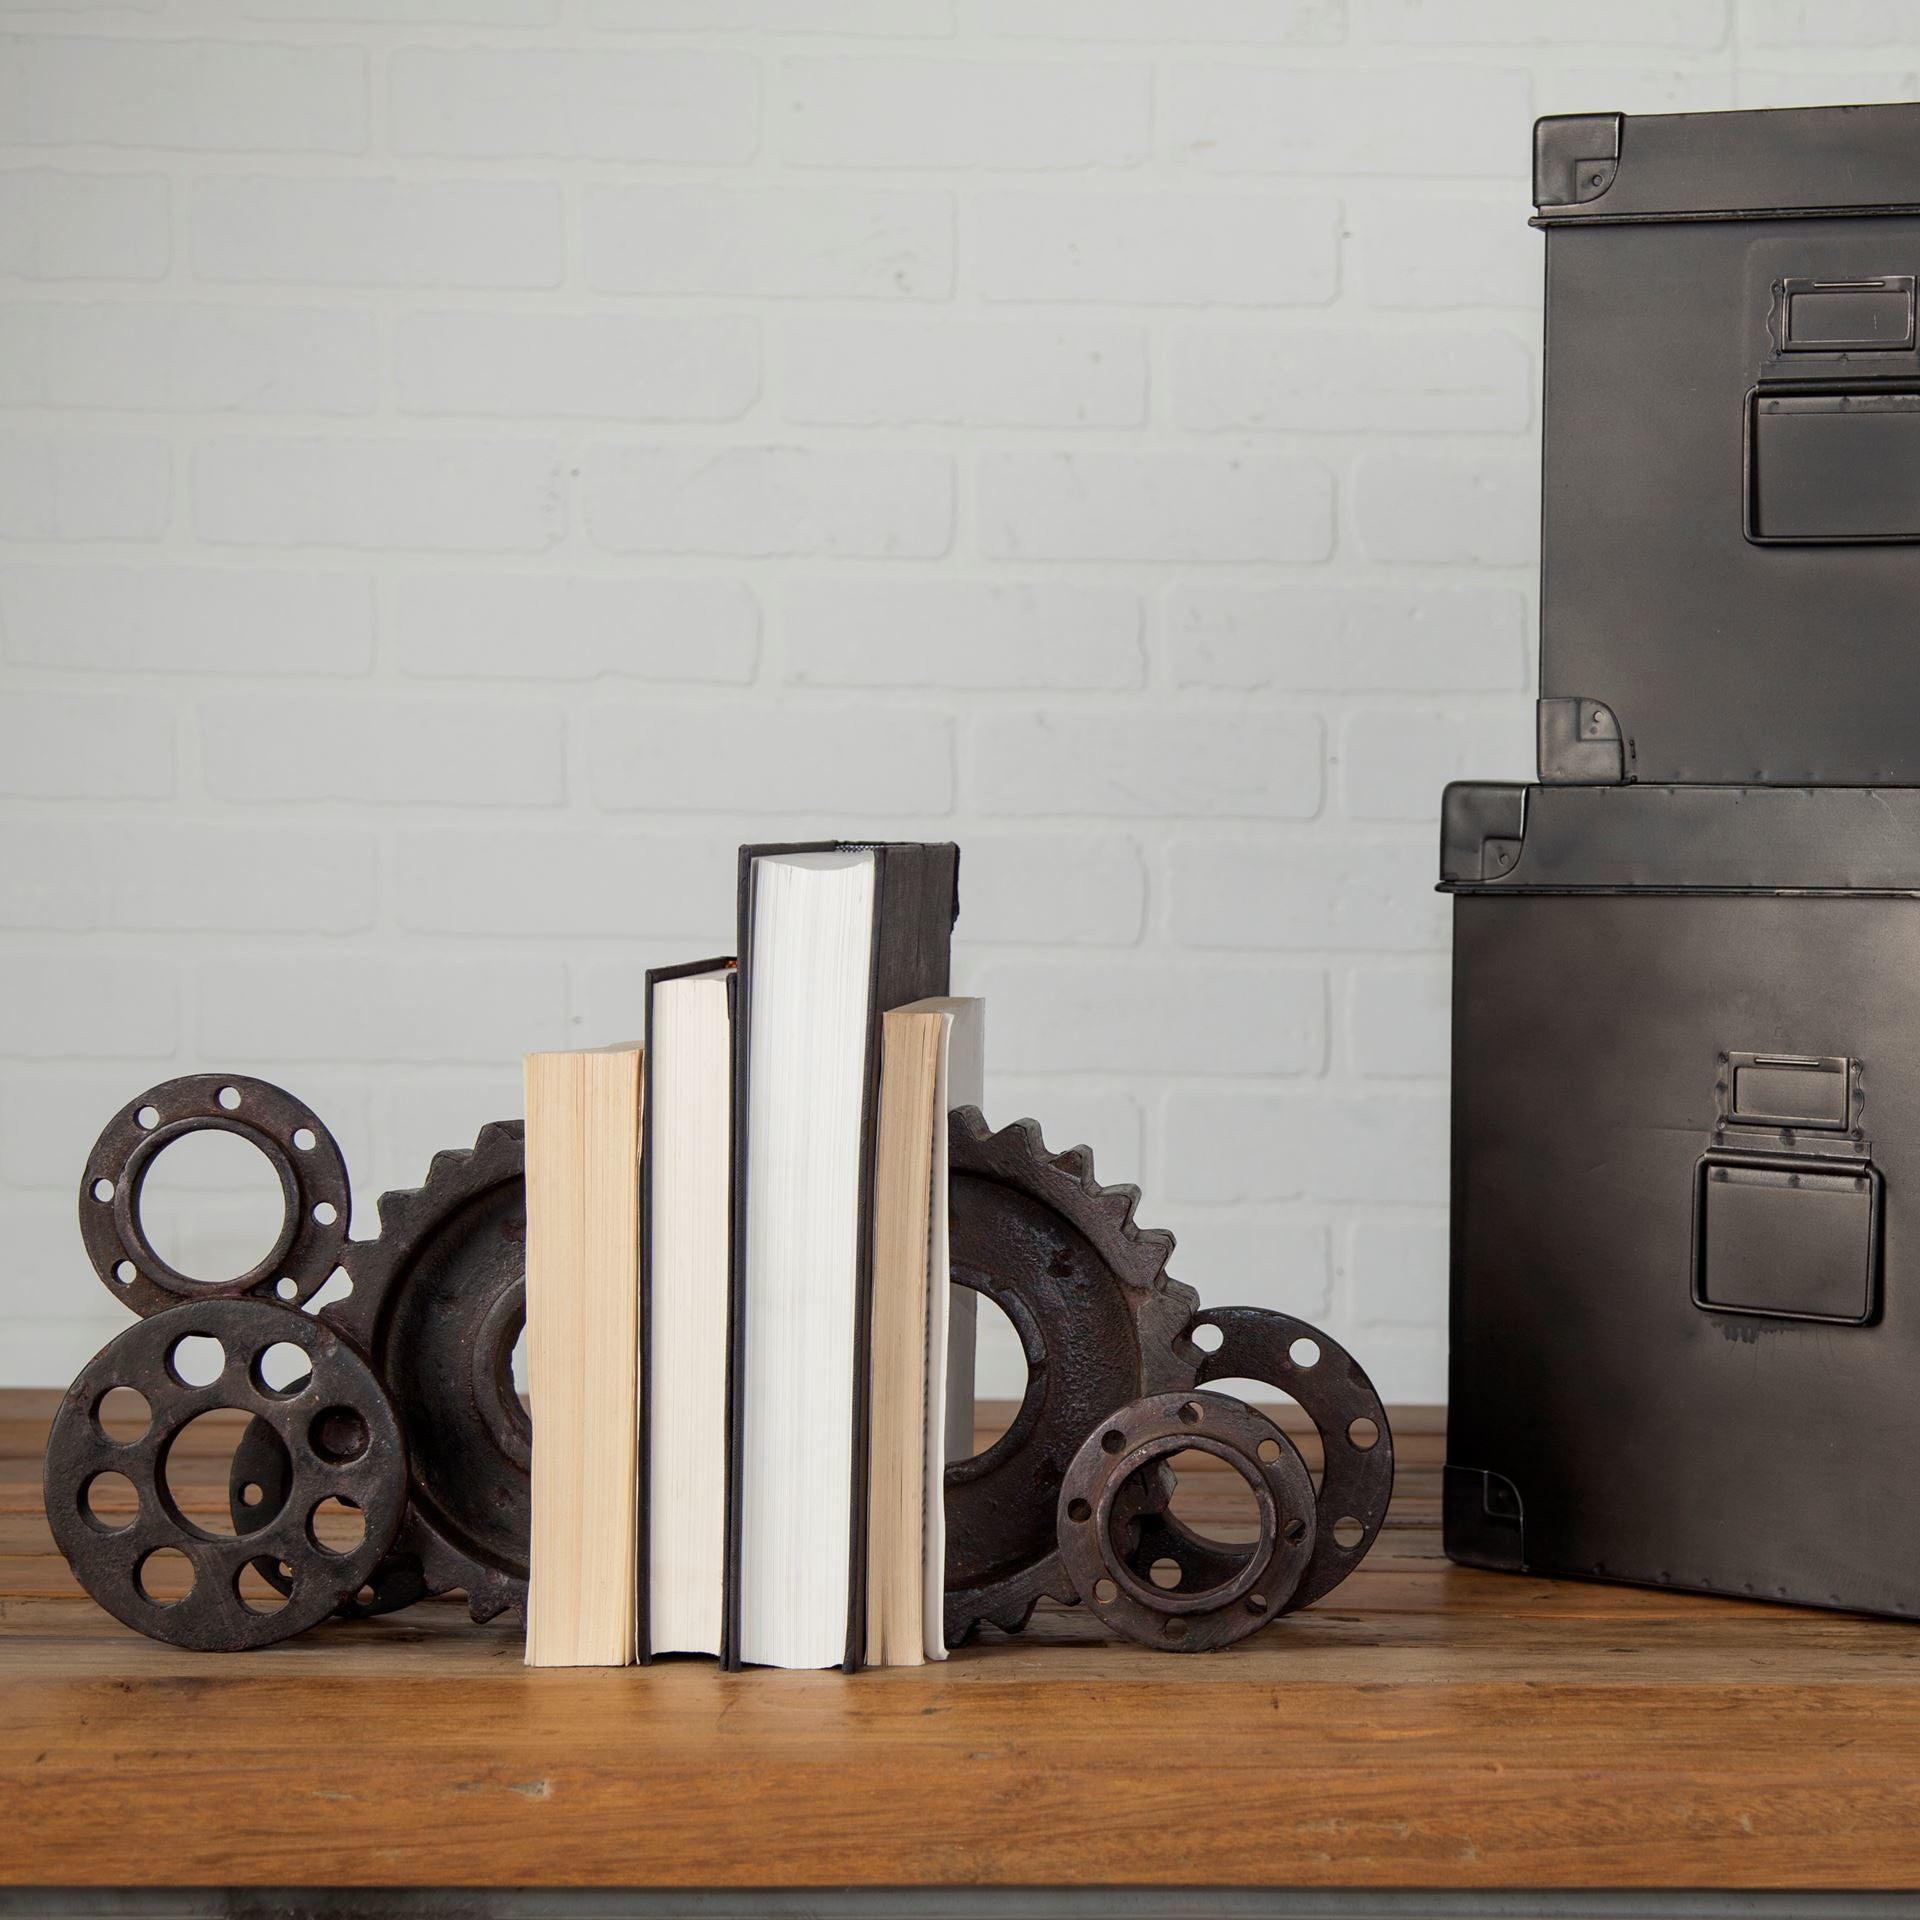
point(1424, 1726)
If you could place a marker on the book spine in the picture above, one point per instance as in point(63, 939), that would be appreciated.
point(914, 907)
point(643, 1487)
point(741, 989)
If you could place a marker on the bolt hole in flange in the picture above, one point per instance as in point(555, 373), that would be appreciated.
point(336, 1525)
point(123, 1415)
point(111, 1502)
point(338, 1434)
point(196, 1360)
point(282, 1370)
point(260, 1595)
point(164, 1577)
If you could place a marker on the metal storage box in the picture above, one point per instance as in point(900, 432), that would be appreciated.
point(1686, 1149)
point(1731, 509)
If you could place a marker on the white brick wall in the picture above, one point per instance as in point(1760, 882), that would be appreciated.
point(469, 463)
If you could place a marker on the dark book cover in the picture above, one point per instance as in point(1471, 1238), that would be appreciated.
point(916, 900)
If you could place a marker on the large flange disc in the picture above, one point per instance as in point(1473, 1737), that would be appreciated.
point(1356, 1480)
point(335, 1428)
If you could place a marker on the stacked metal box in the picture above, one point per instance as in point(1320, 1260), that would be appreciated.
point(1686, 1046)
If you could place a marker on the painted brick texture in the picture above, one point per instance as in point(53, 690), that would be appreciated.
point(467, 464)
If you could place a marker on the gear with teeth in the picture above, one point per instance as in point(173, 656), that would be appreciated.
point(1100, 1321)
point(438, 1301)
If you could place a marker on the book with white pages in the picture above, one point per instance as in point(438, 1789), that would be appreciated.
point(684, 1306)
point(583, 1338)
point(922, 1345)
point(831, 937)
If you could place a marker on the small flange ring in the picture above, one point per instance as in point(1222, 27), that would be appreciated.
point(304, 1157)
point(335, 1425)
point(1188, 1619)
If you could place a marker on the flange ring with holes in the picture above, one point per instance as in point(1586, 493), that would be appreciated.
point(300, 1150)
point(1356, 1481)
point(335, 1425)
point(1188, 1618)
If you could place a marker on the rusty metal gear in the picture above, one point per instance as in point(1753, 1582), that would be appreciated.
point(437, 1302)
point(1100, 1322)
point(1099, 1537)
point(1356, 1480)
point(333, 1429)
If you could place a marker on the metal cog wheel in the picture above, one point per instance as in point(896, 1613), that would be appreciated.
point(1101, 1323)
point(438, 1301)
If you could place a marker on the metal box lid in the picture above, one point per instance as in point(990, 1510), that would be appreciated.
point(1591, 167)
point(1497, 837)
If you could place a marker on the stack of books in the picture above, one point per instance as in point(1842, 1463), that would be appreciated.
point(745, 1373)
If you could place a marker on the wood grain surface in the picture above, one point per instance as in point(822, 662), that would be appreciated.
point(1424, 1726)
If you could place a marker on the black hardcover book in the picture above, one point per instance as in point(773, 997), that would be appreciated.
point(901, 955)
point(650, 1162)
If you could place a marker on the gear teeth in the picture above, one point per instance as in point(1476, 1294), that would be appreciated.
point(394, 1207)
point(454, 1176)
point(1013, 1619)
point(1077, 1161)
point(446, 1164)
point(1118, 1202)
